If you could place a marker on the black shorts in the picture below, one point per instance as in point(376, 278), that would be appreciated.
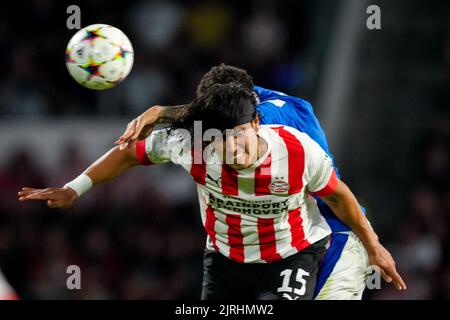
point(292, 278)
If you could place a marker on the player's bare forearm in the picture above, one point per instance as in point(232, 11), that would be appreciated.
point(168, 114)
point(141, 127)
point(347, 209)
point(161, 114)
point(111, 164)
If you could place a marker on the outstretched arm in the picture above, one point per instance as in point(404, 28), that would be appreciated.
point(112, 164)
point(346, 207)
point(141, 127)
point(109, 166)
point(323, 182)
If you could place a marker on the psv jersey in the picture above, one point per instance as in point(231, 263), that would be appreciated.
point(263, 213)
point(278, 108)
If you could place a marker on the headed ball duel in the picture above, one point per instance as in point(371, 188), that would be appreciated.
point(269, 195)
point(225, 150)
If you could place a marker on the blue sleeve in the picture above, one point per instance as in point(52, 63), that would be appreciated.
point(269, 114)
point(260, 93)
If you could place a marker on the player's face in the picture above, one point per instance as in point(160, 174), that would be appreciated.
point(241, 145)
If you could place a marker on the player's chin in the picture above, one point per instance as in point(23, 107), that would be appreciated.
point(238, 166)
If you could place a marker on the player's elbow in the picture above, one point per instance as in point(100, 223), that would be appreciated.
point(340, 196)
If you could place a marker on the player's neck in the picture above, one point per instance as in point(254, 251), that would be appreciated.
point(262, 148)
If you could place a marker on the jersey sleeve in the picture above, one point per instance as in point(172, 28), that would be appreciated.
point(269, 114)
point(321, 179)
point(155, 148)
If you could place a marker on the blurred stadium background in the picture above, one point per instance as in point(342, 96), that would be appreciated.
point(383, 97)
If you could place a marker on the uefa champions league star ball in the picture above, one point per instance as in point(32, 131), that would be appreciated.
point(99, 56)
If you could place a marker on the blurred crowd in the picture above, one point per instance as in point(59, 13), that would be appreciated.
point(141, 237)
point(175, 42)
point(133, 238)
point(422, 244)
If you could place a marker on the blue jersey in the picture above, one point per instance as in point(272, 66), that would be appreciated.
point(278, 108)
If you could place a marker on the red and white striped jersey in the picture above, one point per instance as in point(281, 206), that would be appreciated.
point(265, 212)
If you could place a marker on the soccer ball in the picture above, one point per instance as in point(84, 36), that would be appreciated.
point(99, 56)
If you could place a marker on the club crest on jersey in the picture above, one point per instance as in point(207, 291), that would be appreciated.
point(279, 186)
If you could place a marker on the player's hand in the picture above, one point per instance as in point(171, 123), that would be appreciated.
point(56, 197)
point(381, 257)
point(140, 128)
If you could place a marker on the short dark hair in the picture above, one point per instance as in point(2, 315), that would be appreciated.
point(225, 74)
point(223, 106)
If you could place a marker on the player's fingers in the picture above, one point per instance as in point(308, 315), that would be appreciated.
point(385, 276)
point(128, 137)
point(127, 133)
point(137, 130)
point(31, 197)
point(123, 146)
point(398, 281)
point(132, 129)
point(30, 192)
point(23, 197)
point(121, 139)
point(48, 195)
point(25, 193)
point(41, 191)
point(145, 132)
point(392, 273)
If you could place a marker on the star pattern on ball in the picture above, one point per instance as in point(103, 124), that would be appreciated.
point(121, 54)
point(68, 57)
point(92, 35)
point(92, 68)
